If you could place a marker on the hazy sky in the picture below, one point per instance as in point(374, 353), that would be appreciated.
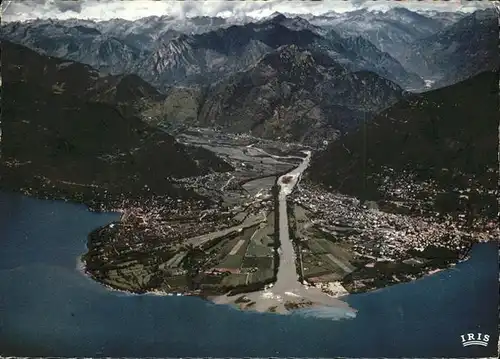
point(134, 9)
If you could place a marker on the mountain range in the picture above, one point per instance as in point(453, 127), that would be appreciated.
point(391, 31)
point(464, 49)
point(208, 57)
point(263, 100)
point(306, 79)
point(291, 93)
point(398, 44)
point(64, 136)
point(433, 45)
point(297, 95)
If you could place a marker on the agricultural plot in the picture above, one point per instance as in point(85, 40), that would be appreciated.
point(247, 258)
point(238, 279)
point(233, 280)
point(320, 256)
point(236, 249)
point(240, 217)
point(302, 221)
point(315, 266)
point(324, 258)
point(258, 262)
point(261, 276)
point(262, 241)
point(179, 282)
point(260, 250)
point(218, 252)
point(213, 279)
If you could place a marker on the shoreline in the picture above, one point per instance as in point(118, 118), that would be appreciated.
point(214, 299)
point(286, 294)
point(119, 305)
point(81, 264)
point(81, 268)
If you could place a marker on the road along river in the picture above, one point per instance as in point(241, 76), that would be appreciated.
point(288, 293)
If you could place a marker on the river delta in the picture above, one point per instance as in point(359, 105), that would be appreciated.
point(58, 311)
point(270, 240)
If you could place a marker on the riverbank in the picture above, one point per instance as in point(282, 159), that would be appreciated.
point(287, 294)
point(146, 271)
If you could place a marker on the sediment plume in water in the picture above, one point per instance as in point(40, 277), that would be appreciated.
point(324, 312)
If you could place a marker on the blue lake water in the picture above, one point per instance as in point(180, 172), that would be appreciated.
point(48, 308)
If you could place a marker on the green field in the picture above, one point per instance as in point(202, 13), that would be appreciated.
point(176, 281)
point(213, 279)
point(263, 241)
point(259, 262)
point(234, 280)
point(260, 251)
point(235, 260)
point(261, 246)
point(252, 248)
point(261, 276)
point(223, 246)
point(326, 257)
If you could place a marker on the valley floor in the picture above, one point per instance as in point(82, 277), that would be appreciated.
point(230, 250)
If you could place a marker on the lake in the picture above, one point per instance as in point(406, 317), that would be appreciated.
point(48, 308)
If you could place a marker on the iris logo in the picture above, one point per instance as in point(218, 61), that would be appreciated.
point(475, 339)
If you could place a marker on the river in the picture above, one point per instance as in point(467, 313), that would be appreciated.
point(287, 290)
point(48, 308)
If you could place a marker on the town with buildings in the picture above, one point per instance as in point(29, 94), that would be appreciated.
point(229, 243)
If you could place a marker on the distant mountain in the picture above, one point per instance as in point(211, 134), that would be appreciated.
point(74, 41)
point(291, 93)
point(391, 31)
point(382, 63)
point(164, 53)
point(444, 141)
point(446, 18)
point(293, 22)
point(124, 91)
point(334, 99)
point(208, 57)
point(364, 55)
point(440, 47)
point(141, 34)
point(297, 95)
point(459, 51)
point(62, 142)
point(146, 33)
point(401, 45)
